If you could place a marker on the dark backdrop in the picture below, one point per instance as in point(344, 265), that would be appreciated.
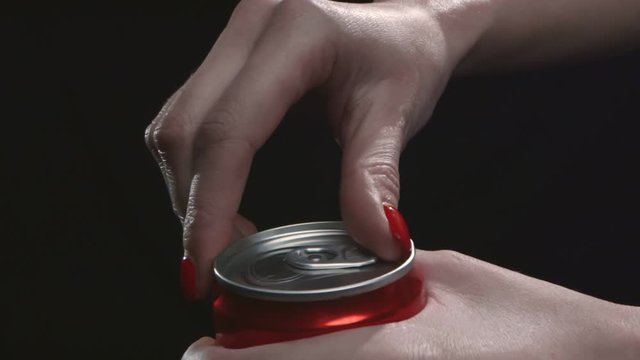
point(536, 171)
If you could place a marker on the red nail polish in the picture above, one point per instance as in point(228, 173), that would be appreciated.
point(188, 279)
point(398, 228)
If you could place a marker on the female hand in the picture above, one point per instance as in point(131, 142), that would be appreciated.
point(382, 66)
point(474, 310)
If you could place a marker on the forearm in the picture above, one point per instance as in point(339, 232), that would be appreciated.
point(514, 33)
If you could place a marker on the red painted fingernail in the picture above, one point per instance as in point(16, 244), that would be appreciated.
point(398, 228)
point(188, 279)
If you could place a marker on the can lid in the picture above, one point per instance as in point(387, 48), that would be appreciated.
point(304, 262)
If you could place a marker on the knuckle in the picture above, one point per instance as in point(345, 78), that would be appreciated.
point(384, 173)
point(167, 115)
point(451, 257)
point(172, 133)
point(311, 55)
point(219, 126)
point(296, 10)
point(249, 11)
point(293, 7)
point(148, 137)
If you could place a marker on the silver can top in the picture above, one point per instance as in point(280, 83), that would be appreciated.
point(304, 262)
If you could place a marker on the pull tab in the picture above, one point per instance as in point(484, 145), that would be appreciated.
point(329, 257)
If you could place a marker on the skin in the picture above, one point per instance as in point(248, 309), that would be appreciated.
point(382, 67)
point(475, 310)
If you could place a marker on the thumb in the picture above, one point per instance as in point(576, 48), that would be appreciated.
point(370, 187)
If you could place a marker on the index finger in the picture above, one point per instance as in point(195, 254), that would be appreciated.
point(285, 63)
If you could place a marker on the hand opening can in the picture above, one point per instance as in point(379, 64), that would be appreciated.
point(309, 279)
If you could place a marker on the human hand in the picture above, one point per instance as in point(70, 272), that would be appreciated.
point(474, 310)
point(382, 66)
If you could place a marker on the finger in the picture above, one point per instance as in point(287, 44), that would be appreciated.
point(370, 171)
point(150, 141)
point(172, 133)
point(244, 226)
point(150, 130)
point(286, 62)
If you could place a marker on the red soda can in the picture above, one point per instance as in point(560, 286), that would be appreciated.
point(309, 279)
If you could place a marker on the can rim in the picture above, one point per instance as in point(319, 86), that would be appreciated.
point(368, 285)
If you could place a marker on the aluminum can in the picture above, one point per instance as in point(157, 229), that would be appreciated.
point(308, 279)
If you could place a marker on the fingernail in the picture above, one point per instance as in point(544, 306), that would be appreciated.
point(188, 279)
point(398, 228)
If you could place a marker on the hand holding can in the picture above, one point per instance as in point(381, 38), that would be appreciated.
point(475, 310)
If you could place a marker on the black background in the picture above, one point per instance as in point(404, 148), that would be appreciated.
point(536, 171)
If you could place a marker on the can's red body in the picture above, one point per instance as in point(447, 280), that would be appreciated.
point(243, 322)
